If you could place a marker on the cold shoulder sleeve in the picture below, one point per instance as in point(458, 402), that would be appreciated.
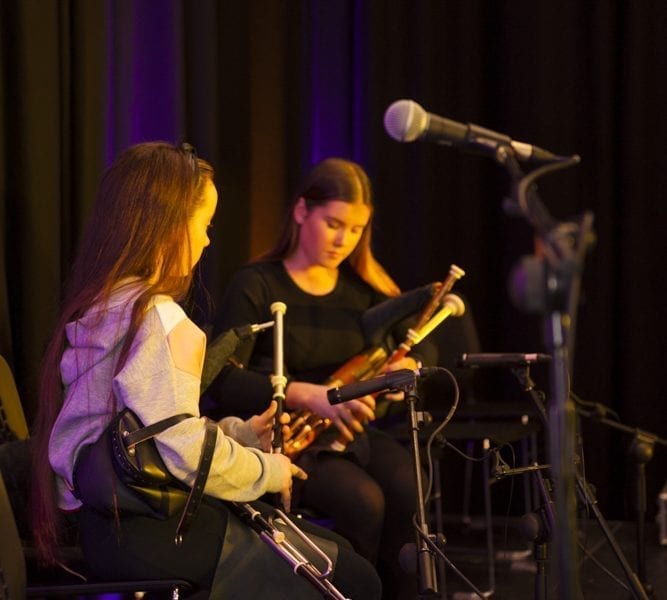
point(151, 384)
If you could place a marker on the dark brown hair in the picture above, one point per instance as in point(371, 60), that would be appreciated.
point(138, 228)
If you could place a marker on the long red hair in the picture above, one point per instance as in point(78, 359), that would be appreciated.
point(138, 228)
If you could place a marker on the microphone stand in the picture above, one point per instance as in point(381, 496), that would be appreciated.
point(427, 579)
point(426, 548)
point(641, 449)
point(636, 588)
point(556, 281)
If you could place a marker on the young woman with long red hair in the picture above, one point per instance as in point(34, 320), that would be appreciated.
point(123, 341)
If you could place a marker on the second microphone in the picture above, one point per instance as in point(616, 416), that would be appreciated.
point(401, 379)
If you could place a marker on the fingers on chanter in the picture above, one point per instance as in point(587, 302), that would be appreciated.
point(362, 408)
point(271, 411)
point(341, 426)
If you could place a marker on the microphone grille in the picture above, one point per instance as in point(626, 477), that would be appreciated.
point(405, 120)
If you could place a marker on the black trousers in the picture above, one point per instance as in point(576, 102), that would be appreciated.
point(143, 548)
point(370, 492)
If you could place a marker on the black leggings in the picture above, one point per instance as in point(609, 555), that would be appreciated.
point(372, 504)
point(143, 548)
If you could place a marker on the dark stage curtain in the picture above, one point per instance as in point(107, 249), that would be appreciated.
point(264, 88)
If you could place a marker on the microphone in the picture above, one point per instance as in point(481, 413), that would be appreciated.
point(507, 359)
point(400, 379)
point(407, 121)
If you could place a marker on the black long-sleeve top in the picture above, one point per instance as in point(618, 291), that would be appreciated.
point(320, 333)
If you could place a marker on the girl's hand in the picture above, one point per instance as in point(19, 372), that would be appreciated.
point(406, 362)
point(262, 425)
point(347, 417)
point(289, 471)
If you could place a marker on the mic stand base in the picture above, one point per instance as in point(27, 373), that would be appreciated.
point(636, 588)
point(426, 548)
point(537, 526)
point(435, 549)
point(641, 449)
point(541, 556)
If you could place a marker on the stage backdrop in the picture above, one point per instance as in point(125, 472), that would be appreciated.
point(264, 88)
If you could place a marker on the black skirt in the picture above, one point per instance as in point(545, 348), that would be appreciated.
point(219, 553)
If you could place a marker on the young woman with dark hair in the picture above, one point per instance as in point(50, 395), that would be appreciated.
point(322, 267)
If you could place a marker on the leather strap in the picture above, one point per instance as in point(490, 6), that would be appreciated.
point(197, 490)
point(205, 459)
point(145, 433)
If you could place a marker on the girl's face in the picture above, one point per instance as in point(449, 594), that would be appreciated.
point(200, 221)
point(330, 232)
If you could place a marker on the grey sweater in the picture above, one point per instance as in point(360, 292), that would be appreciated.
point(154, 388)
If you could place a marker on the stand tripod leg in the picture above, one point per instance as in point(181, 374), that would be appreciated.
point(490, 550)
point(436, 498)
point(636, 588)
point(641, 512)
point(537, 527)
point(426, 548)
point(541, 554)
point(642, 451)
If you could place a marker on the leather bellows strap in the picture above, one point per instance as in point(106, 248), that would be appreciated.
point(123, 472)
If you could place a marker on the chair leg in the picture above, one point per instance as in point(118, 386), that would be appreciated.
point(528, 497)
point(467, 486)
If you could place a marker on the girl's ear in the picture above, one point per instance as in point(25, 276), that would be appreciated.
point(300, 211)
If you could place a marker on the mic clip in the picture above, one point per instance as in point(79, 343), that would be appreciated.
point(423, 418)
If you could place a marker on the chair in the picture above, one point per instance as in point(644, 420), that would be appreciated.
point(15, 578)
point(12, 419)
point(13, 572)
point(478, 430)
